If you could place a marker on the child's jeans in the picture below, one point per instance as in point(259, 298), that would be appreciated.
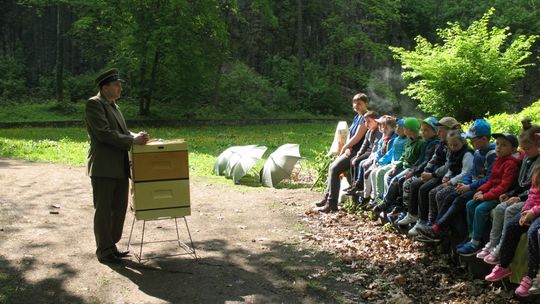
point(478, 216)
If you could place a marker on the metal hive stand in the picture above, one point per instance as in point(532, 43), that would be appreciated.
point(188, 250)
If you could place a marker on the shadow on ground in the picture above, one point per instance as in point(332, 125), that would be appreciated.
point(14, 288)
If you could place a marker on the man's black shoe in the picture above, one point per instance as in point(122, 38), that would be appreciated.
point(121, 254)
point(110, 259)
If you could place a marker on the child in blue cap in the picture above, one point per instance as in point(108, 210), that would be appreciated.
point(484, 156)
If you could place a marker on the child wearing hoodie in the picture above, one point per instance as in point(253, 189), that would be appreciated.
point(502, 178)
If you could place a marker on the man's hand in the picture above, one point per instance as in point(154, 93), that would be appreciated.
point(503, 197)
point(526, 218)
point(140, 138)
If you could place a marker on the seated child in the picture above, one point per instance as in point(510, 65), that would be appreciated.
point(484, 156)
point(369, 146)
point(433, 173)
point(516, 226)
point(394, 194)
point(513, 200)
point(378, 174)
point(459, 163)
point(502, 178)
point(383, 155)
point(413, 149)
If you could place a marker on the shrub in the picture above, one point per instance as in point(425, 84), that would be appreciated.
point(506, 122)
point(244, 93)
point(12, 82)
point(80, 87)
point(471, 73)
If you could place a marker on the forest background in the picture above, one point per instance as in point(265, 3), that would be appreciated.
point(218, 59)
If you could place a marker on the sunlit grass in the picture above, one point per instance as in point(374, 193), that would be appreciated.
point(69, 145)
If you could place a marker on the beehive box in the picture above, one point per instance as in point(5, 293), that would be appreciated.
point(160, 180)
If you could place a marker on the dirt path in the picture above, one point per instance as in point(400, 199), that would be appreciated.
point(247, 240)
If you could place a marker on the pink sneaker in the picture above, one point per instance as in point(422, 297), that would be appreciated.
point(524, 286)
point(492, 258)
point(498, 273)
point(484, 252)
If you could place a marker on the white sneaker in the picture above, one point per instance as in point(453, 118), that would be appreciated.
point(408, 219)
point(413, 231)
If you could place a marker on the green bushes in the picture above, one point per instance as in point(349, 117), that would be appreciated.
point(80, 87)
point(12, 83)
point(505, 122)
point(471, 73)
point(246, 94)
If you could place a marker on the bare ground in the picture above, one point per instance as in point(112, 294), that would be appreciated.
point(254, 245)
point(247, 240)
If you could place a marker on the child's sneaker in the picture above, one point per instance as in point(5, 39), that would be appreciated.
point(492, 258)
point(524, 286)
point(498, 273)
point(426, 234)
point(468, 249)
point(408, 219)
point(414, 230)
point(462, 244)
point(535, 288)
point(484, 252)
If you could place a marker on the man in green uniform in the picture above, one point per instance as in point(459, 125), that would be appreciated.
point(108, 164)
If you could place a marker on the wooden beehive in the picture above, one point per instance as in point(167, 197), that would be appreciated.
point(160, 180)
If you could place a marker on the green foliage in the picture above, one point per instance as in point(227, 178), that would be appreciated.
point(12, 84)
point(506, 122)
point(470, 74)
point(245, 93)
point(322, 162)
point(319, 95)
point(80, 87)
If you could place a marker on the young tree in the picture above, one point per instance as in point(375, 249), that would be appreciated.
point(470, 74)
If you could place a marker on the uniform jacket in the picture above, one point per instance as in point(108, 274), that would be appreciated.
point(502, 178)
point(109, 138)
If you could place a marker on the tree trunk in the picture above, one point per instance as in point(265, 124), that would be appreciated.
point(151, 85)
point(59, 56)
point(300, 45)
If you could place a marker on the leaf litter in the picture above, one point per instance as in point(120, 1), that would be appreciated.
point(387, 267)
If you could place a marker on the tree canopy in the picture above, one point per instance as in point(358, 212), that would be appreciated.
point(299, 56)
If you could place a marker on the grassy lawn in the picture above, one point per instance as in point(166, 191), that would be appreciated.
point(69, 145)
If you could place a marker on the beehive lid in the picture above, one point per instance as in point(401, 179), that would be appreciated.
point(161, 146)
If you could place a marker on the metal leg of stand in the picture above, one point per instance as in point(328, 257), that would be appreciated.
point(130, 233)
point(190, 239)
point(142, 240)
point(189, 250)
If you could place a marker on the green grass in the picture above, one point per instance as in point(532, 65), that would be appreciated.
point(69, 145)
